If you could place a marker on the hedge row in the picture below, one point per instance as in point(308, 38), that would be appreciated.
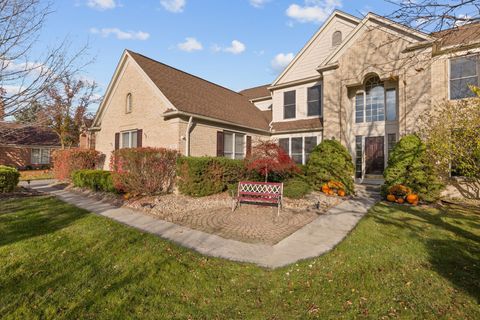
point(204, 176)
point(9, 178)
point(67, 161)
point(144, 171)
point(96, 180)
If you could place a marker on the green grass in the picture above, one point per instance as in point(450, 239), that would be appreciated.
point(58, 261)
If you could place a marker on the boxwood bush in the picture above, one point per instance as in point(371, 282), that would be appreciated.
point(408, 165)
point(9, 178)
point(296, 188)
point(330, 161)
point(203, 176)
point(96, 180)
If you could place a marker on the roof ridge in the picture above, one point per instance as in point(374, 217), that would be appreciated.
point(184, 72)
point(263, 85)
point(467, 25)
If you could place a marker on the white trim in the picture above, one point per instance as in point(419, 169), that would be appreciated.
point(234, 148)
point(130, 139)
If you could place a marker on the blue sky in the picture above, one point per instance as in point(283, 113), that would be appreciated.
point(235, 43)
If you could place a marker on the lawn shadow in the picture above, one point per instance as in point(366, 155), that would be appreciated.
point(36, 216)
point(454, 252)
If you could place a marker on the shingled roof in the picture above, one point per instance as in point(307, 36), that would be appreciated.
point(24, 135)
point(462, 35)
point(257, 92)
point(194, 95)
point(297, 125)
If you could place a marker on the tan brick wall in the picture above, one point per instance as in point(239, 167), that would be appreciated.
point(18, 157)
point(148, 107)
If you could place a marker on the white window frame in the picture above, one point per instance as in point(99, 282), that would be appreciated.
point(449, 70)
point(319, 140)
point(234, 149)
point(295, 105)
point(130, 139)
point(41, 154)
point(364, 93)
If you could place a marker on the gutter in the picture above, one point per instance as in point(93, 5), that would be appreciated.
point(187, 137)
point(176, 113)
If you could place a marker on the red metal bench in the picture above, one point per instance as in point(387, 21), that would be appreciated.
point(258, 192)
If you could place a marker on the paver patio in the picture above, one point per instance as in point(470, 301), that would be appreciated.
point(313, 239)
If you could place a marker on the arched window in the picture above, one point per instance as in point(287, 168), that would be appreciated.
point(129, 104)
point(370, 103)
point(336, 38)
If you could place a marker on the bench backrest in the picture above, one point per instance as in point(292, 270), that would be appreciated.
point(271, 189)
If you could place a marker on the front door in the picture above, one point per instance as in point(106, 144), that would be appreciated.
point(374, 155)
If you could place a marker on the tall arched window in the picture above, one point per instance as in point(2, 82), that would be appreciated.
point(370, 104)
point(129, 104)
point(336, 38)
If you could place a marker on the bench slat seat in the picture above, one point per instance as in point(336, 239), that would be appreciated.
point(258, 192)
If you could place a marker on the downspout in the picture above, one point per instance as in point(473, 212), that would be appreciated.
point(187, 137)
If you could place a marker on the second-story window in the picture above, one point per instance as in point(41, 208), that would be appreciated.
point(464, 71)
point(289, 105)
point(129, 103)
point(314, 101)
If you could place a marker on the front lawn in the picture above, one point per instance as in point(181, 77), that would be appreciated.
point(58, 261)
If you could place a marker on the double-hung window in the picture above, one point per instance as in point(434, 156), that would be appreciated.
point(129, 139)
point(314, 101)
point(289, 105)
point(233, 145)
point(298, 148)
point(40, 156)
point(464, 71)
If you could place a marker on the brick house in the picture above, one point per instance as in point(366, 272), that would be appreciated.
point(26, 147)
point(362, 81)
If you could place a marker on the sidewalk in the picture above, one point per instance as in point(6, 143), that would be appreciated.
point(314, 239)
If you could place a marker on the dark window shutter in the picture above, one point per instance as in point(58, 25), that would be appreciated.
point(249, 145)
point(219, 143)
point(117, 140)
point(139, 138)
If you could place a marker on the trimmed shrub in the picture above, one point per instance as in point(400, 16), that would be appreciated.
point(67, 161)
point(143, 171)
point(296, 188)
point(96, 180)
point(409, 165)
point(9, 178)
point(330, 161)
point(203, 176)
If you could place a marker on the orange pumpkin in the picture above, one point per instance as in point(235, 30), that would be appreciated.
point(325, 189)
point(412, 198)
point(391, 198)
point(341, 193)
point(400, 200)
point(330, 192)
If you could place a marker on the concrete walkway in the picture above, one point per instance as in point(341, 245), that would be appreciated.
point(314, 239)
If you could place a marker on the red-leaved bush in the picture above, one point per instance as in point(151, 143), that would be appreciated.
point(143, 171)
point(67, 161)
point(271, 161)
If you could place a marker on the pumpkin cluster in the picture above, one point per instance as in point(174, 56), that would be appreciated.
point(334, 188)
point(399, 193)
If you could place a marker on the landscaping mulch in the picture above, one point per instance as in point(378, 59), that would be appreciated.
point(20, 192)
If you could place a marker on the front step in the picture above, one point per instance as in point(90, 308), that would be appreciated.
point(367, 190)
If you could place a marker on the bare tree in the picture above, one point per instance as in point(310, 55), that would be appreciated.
point(66, 108)
point(25, 77)
point(435, 15)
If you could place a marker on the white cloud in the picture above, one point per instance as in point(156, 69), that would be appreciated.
point(313, 10)
point(174, 5)
point(258, 3)
point(236, 47)
point(280, 61)
point(102, 4)
point(190, 44)
point(121, 35)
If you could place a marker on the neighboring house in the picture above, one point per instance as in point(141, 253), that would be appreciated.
point(363, 82)
point(26, 147)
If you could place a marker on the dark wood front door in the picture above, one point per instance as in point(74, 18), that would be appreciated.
point(374, 155)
